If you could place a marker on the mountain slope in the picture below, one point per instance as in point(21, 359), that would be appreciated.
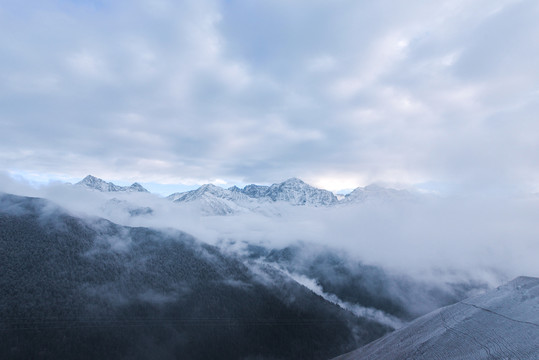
point(213, 200)
point(88, 288)
point(92, 182)
point(393, 298)
point(500, 324)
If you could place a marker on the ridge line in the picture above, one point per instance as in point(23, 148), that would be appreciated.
point(495, 313)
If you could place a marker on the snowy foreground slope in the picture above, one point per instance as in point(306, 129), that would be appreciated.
point(500, 324)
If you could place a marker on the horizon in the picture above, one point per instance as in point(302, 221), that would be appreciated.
point(169, 189)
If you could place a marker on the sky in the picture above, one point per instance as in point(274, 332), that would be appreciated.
point(433, 95)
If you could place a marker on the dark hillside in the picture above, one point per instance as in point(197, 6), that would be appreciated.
point(88, 288)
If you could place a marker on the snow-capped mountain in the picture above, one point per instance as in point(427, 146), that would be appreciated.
point(207, 191)
point(95, 183)
point(296, 192)
point(293, 191)
point(214, 200)
point(501, 324)
point(376, 193)
point(254, 191)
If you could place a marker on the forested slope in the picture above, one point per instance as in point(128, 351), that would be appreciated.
point(88, 288)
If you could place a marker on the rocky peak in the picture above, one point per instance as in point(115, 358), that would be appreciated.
point(95, 183)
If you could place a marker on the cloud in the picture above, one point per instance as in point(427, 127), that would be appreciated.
point(173, 91)
point(448, 239)
point(360, 311)
point(434, 248)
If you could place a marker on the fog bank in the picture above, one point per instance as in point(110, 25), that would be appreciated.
point(492, 239)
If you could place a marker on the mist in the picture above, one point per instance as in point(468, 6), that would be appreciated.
point(432, 238)
point(113, 291)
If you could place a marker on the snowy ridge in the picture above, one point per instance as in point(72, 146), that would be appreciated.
point(210, 199)
point(501, 324)
point(214, 200)
point(293, 191)
point(376, 193)
point(95, 183)
point(209, 190)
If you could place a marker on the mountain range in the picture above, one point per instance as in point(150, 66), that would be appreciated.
point(210, 199)
point(293, 191)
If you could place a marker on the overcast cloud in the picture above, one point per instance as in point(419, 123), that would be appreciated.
point(339, 93)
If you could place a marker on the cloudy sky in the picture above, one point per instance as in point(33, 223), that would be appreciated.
point(341, 93)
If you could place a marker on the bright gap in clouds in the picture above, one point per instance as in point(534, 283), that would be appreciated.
point(336, 184)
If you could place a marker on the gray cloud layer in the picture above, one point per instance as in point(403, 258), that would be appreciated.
point(339, 93)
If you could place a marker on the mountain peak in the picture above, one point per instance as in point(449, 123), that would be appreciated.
point(293, 180)
point(209, 186)
point(293, 191)
point(297, 192)
point(96, 183)
point(90, 177)
point(137, 187)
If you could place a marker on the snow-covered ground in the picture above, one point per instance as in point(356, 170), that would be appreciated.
point(500, 324)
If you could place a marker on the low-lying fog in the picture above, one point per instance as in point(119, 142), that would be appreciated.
point(452, 238)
